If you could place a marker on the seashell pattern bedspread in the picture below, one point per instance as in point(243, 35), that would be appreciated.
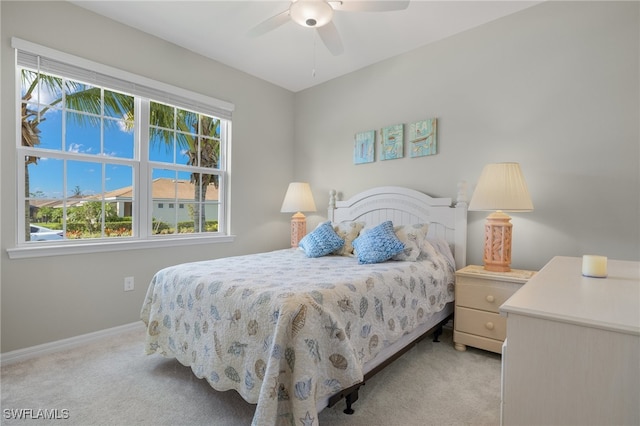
point(284, 330)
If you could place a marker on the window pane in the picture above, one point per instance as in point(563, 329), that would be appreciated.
point(119, 180)
point(85, 219)
point(161, 115)
point(209, 153)
point(204, 191)
point(48, 130)
point(45, 223)
point(82, 133)
point(40, 89)
point(119, 198)
point(84, 179)
point(119, 187)
point(44, 206)
point(118, 220)
point(186, 224)
point(82, 97)
point(212, 211)
point(209, 126)
point(45, 178)
point(187, 121)
point(161, 146)
point(163, 189)
point(185, 154)
point(38, 93)
point(118, 139)
point(118, 105)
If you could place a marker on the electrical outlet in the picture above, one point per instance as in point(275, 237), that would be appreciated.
point(128, 283)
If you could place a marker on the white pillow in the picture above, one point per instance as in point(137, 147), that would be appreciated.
point(412, 236)
point(442, 247)
point(348, 231)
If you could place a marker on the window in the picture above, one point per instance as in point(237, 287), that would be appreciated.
point(102, 151)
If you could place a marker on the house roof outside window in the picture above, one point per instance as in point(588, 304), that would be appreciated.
point(164, 189)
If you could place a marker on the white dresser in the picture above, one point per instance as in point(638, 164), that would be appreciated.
point(572, 354)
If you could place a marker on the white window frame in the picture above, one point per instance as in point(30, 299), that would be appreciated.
point(112, 78)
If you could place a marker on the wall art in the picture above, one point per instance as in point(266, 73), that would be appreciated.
point(364, 147)
point(422, 138)
point(392, 142)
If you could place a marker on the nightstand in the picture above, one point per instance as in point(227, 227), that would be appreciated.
point(478, 296)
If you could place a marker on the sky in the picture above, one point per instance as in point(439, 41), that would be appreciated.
point(46, 178)
point(87, 135)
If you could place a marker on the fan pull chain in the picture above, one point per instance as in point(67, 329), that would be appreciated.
point(313, 71)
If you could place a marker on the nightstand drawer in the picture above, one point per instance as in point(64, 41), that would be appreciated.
point(481, 323)
point(485, 295)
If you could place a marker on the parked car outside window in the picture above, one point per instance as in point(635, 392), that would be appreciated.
point(40, 233)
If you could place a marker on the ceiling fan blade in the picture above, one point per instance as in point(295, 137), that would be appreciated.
point(270, 24)
point(330, 37)
point(369, 6)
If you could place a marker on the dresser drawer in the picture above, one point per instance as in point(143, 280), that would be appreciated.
point(485, 295)
point(481, 323)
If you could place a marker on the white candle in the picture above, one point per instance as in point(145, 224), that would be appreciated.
point(594, 266)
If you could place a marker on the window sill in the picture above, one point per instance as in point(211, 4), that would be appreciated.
point(53, 249)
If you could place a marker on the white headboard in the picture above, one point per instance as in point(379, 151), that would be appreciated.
point(405, 206)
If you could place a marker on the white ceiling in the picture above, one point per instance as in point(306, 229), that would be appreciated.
point(289, 55)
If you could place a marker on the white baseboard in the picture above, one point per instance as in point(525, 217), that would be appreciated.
point(60, 345)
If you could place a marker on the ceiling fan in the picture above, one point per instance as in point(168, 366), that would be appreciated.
point(318, 14)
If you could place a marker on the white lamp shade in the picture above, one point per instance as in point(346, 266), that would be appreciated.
point(298, 198)
point(501, 187)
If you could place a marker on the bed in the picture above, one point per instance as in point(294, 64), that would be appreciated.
point(294, 334)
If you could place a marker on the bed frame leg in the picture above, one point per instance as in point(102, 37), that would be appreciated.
point(437, 333)
point(350, 399)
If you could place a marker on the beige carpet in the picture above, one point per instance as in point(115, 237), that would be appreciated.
point(112, 382)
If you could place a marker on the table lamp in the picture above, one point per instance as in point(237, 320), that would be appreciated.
point(298, 199)
point(501, 188)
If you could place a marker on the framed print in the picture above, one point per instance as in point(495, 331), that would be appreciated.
point(363, 147)
point(422, 138)
point(392, 142)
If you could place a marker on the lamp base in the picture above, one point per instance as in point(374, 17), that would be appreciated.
point(298, 228)
point(497, 242)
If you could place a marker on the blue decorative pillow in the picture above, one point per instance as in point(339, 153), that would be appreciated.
point(377, 244)
point(321, 241)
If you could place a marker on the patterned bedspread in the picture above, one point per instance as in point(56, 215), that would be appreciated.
point(284, 330)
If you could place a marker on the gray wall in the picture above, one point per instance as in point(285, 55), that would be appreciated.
point(51, 298)
point(554, 87)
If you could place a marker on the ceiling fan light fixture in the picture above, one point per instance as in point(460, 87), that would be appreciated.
point(311, 13)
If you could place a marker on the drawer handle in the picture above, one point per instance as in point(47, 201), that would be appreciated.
point(489, 325)
point(490, 299)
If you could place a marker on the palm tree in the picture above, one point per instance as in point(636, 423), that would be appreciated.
point(77, 96)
